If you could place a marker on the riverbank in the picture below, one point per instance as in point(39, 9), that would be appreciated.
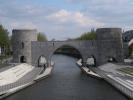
point(116, 75)
point(20, 79)
point(87, 70)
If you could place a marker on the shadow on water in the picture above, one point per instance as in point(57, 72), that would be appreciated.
point(68, 83)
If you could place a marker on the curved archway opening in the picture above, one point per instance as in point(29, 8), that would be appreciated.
point(91, 61)
point(68, 51)
point(22, 59)
point(42, 61)
point(112, 59)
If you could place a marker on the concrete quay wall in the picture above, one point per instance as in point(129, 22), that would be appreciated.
point(120, 87)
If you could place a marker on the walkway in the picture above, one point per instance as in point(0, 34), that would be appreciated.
point(119, 75)
point(16, 76)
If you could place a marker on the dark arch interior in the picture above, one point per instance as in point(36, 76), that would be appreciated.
point(69, 51)
point(112, 59)
point(22, 59)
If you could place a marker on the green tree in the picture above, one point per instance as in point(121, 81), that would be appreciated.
point(88, 36)
point(4, 40)
point(41, 37)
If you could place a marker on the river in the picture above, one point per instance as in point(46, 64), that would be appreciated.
point(67, 82)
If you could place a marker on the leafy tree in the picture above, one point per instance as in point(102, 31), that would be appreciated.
point(41, 37)
point(4, 40)
point(88, 36)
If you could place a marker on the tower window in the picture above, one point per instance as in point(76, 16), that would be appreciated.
point(22, 45)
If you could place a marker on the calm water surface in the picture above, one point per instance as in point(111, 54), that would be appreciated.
point(68, 83)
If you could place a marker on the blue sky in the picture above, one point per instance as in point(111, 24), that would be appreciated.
point(63, 19)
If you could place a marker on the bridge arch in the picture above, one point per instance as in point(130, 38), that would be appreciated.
point(74, 51)
point(84, 48)
point(42, 61)
point(91, 61)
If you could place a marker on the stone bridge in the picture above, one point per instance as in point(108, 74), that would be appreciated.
point(108, 44)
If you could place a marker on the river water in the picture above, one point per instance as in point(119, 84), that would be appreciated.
point(67, 82)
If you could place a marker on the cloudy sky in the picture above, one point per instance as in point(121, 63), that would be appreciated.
point(62, 19)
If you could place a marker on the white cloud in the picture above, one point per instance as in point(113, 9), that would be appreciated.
point(61, 16)
point(64, 16)
point(85, 21)
point(68, 20)
point(113, 13)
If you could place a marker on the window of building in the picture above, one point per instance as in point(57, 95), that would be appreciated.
point(22, 45)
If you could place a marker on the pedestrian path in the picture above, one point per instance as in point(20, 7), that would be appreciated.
point(125, 82)
point(119, 75)
point(17, 76)
point(14, 74)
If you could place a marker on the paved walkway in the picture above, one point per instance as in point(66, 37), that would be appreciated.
point(119, 73)
point(125, 72)
point(14, 74)
point(17, 76)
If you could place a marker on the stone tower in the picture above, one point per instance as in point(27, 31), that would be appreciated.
point(22, 45)
point(109, 45)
